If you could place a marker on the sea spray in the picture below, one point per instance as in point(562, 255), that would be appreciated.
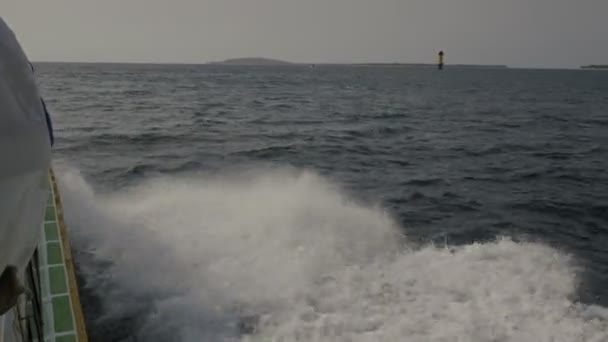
point(193, 256)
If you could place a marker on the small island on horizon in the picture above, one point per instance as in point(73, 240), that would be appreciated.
point(252, 61)
point(595, 66)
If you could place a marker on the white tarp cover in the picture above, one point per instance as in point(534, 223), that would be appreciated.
point(24, 155)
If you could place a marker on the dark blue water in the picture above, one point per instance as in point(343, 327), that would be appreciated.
point(456, 157)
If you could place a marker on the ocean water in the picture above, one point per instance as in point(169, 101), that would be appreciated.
point(210, 203)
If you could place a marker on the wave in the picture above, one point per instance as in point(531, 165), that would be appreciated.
point(280, 255)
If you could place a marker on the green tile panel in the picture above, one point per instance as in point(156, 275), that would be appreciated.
point(57, 281)
point(51, 232)
point(49, 214)
point(62, 314)
point(66, 338)
point(53, 253)
point(58, 317)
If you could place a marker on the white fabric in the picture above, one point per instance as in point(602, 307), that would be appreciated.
point(24, 155)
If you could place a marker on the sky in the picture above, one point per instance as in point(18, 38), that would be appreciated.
point(519, 33)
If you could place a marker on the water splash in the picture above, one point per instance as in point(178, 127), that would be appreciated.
point(285, 256)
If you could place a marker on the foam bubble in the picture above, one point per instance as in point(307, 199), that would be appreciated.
point(296, 260)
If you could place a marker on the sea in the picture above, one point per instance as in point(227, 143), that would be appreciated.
point(334, 203)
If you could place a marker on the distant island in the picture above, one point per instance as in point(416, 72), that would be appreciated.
point(259, 61)
point(602, 67)
point(252, 61)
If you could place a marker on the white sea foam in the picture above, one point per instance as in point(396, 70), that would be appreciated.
point(309, 264)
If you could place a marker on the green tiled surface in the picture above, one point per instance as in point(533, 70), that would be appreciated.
point(57, 280)
point(53, 252)
point(50, 214)
point(58, 315)
point(62, 314)
point(66, 338)
point(50, 231)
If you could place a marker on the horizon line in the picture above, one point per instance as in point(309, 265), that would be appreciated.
point(286, 63)
point(279, 63)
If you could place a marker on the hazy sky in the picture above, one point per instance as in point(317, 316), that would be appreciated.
point(551, 33)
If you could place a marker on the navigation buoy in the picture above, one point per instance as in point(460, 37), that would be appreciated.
point(440, 64)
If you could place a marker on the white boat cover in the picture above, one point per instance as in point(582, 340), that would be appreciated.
point(25, 153)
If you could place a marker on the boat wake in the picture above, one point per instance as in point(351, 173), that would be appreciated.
point(286, 256)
